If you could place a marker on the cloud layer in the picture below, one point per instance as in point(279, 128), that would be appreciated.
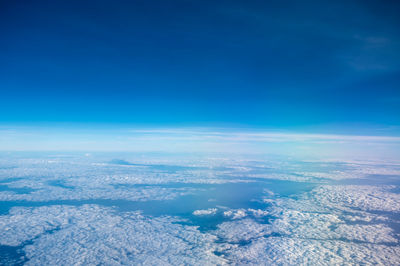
point(303, 212)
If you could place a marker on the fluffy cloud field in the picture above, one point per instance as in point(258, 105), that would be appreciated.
point(333, 222)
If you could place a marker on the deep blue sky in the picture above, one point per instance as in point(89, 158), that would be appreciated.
point(277, 64)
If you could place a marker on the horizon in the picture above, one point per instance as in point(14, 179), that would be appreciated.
point(199, 140)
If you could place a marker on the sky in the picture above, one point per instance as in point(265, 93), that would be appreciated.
point(199, 141)
point(316, 66)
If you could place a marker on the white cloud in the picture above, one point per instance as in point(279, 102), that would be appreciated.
point(235, 214)
point(368, 198)
point(328, 225)
point(258, 212)
point(320, 226)
point(92, 235)
point(211, 211)
point(295, 251)
point(242, 230)
point(332, 224)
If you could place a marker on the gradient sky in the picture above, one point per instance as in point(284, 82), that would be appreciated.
point(278, 64)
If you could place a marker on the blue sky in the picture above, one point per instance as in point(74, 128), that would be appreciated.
point(331, 66)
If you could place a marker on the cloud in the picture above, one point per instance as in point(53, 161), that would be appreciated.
point(211, 211)
point(320, 226)
point(330, 223)
point(367, 198)
point(82, 178)
point(295, 251)
point(242, 230)
point(235, 214)
point(66, 235)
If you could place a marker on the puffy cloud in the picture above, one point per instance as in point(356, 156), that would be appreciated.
point(322, 226)
point(295, 251)
point(333, 224)
point(258, 212)
point(235, 214)
point(211, 211)
point(65, 235)
point(330, 224)
point(368, 198)
point(242, 230)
